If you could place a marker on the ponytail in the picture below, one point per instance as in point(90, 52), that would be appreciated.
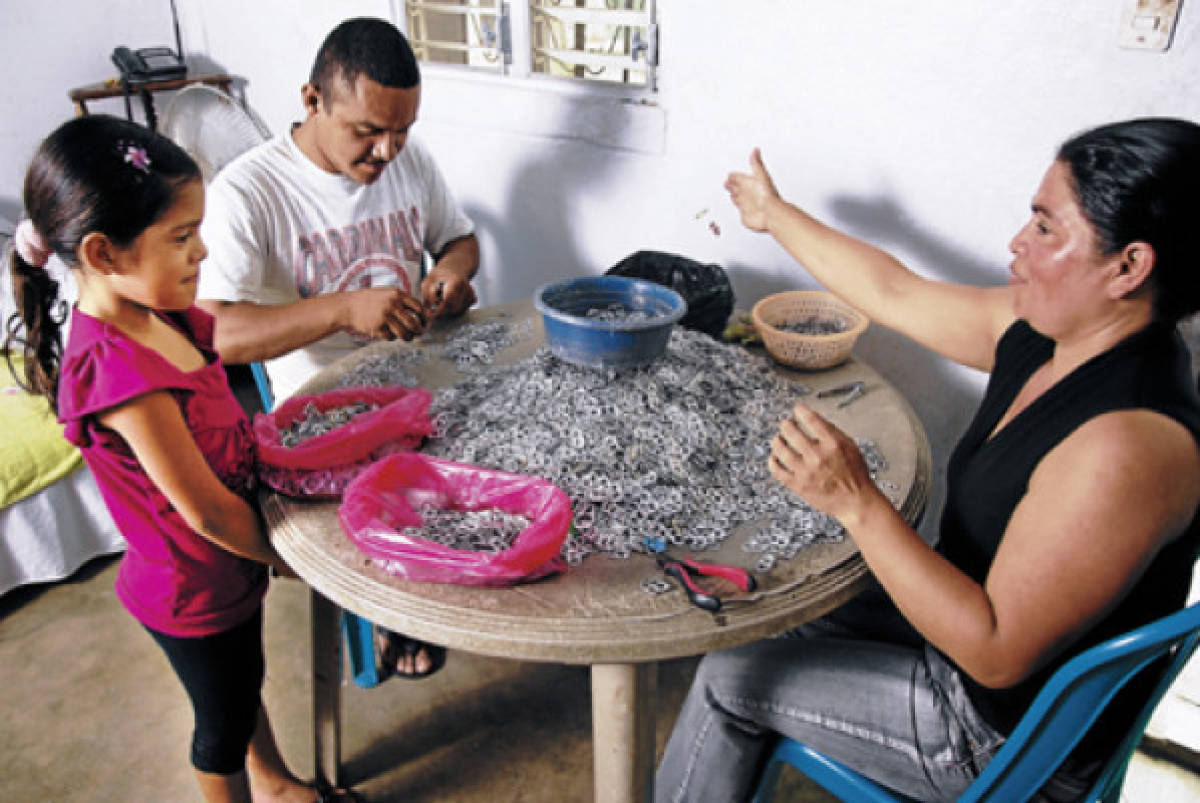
point(35, 329)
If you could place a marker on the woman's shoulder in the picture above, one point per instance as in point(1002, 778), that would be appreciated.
point(1139, 457)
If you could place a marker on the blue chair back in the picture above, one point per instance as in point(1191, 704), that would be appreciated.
point(1060, 715)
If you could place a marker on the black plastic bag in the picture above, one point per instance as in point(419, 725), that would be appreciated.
point(705, 288)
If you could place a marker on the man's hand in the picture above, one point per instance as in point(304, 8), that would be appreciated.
point(446, 292)
point(383, 313)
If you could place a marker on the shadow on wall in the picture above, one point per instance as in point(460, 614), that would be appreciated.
point(535, 236)
point(890, 227)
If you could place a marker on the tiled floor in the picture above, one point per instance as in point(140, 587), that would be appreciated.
point(89, 711)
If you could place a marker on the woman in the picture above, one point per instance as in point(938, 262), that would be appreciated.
point(1071, 512)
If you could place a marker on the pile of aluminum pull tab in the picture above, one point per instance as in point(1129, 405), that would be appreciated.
point(474, 530)
point(675, 450)
point(316, 423)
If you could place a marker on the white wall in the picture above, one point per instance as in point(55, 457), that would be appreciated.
point(46, 48)
point(923, 127)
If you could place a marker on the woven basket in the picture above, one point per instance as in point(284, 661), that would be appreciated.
point(805, 351)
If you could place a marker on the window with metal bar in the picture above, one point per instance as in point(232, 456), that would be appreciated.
point(595, 40)
point(607, 41)
point(459, 32)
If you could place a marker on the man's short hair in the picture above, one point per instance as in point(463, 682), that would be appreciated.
point(364, 46)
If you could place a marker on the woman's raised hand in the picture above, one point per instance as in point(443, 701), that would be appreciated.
point(752, 193)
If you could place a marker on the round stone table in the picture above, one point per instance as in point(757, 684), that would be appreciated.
point(596, 613)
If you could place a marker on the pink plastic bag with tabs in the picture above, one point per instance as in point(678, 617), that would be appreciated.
point(324, 465)
point(381, 502)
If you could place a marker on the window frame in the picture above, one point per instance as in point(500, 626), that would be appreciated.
point(514, 46)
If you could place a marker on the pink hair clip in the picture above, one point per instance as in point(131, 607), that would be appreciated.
point(135, 155)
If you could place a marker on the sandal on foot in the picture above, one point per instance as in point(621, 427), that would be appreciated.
point(392, 646)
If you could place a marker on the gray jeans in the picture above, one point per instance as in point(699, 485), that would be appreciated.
point(859, 686)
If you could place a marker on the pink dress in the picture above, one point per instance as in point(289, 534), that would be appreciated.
point(172, 579)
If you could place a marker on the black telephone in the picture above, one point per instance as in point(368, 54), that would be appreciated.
point(148, 64)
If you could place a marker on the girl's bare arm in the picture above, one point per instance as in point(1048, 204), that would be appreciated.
point(155, 430)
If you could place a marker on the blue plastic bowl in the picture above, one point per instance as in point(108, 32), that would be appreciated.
point(593, 343)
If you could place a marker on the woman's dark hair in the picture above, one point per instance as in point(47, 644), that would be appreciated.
point(1139, 180)
point(92, 174)
point(364, 46)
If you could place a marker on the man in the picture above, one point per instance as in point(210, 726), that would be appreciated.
point(316, 238)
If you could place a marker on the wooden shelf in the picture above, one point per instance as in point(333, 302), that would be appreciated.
point(113, 88)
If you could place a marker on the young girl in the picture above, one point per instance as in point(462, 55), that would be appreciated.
point(145, 398)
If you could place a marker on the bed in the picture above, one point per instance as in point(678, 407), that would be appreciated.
point(52, 517)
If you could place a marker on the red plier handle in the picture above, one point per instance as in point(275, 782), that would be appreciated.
point(734, 574)
point(697, 595)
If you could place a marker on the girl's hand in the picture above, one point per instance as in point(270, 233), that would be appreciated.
point(752, 193)
point(821, 464)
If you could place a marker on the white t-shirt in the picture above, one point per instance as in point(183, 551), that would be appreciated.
point(280, 229)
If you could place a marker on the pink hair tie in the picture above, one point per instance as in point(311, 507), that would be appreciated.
point(30, 245)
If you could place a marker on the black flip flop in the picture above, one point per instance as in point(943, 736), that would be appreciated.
point(392, 645)
point(410, 647)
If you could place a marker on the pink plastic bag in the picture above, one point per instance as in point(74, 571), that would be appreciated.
point(381, 502)
point(322, 466)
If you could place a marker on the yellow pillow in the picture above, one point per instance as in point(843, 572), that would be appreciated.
point(33, 451)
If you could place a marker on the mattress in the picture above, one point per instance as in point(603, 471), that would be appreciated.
point(50, 534)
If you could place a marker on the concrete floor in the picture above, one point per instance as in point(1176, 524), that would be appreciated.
point(90, 711)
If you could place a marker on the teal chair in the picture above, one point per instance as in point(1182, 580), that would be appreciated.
point(358, 632)
point(1058, 718)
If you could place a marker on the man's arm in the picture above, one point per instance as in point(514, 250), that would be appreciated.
point(249, 332)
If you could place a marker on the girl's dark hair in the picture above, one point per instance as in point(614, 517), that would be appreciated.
point(364, 46)
point(1139, 180)
point(92, 174)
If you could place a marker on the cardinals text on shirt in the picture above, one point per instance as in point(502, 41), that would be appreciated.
point(381, 251)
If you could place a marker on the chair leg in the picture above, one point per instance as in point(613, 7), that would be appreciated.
point(360, 641)
point(769, 780)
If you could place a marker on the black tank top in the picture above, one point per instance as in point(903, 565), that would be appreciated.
point(988, 478)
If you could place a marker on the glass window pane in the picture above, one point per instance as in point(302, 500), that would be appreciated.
point(596, 40)
point(461, 32)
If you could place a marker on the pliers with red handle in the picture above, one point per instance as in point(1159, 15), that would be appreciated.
point(686, 569)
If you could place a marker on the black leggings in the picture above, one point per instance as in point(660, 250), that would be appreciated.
point(223, 675)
